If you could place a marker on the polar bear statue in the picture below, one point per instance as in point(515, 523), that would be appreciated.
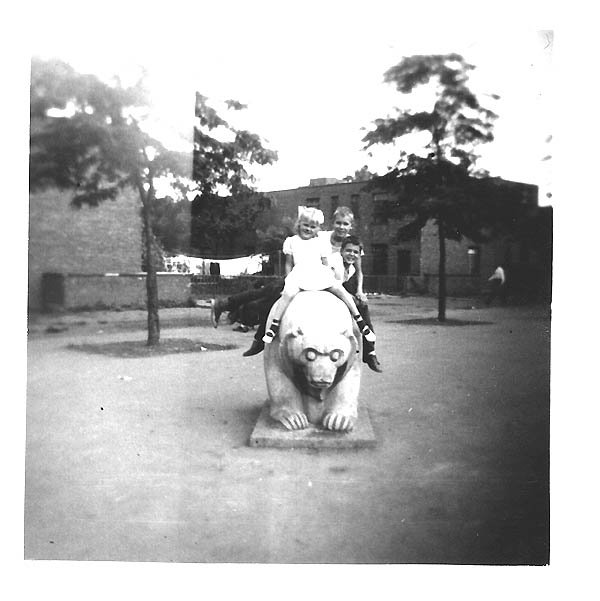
point(313, 366)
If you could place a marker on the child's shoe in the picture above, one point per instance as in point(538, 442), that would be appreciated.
point(256, 347)
point(271, 332)
point(373, 363)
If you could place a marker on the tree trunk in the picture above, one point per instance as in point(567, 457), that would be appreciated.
point(151, 279)
point(442, 273)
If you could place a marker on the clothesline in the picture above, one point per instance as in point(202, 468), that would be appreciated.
point(212, 257)
point(242, 265)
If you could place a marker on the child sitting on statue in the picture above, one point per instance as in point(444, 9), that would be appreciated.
point(350, 254)
point(307, 268)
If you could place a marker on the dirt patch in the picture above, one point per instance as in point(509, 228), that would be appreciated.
point(139, 348)
point(56, 329)
point(433, 321)
point(338, 469)
point(62, 326)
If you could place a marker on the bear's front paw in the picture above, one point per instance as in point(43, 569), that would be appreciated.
point(293, 421)
point(338, 423)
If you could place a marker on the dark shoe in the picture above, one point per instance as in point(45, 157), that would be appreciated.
point(373, 363)
point(217, 306)
point(257, 347)
point(241, 328)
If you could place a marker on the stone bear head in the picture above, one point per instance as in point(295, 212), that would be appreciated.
point(321, 358)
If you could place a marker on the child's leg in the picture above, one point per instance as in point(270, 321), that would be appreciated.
point(369, 354)
point(363, 309)
point(344, 295)
point(233, 302)
point(282, 305)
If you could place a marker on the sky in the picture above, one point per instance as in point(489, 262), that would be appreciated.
point(312, 77)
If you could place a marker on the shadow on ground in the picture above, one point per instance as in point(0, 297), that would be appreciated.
point(432, 321)
point(138, 348)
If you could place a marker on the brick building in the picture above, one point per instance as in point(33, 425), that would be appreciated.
point(83, 244)
point(90, 240)
point(392, 265)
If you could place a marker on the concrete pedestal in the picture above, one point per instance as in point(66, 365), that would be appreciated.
point(270, 433)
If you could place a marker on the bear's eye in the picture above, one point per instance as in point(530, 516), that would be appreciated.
point(335, 355)
point(311, 354)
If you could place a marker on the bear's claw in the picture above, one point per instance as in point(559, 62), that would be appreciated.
point(294, 421)
point(338, 423)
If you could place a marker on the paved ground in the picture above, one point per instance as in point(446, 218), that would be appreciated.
point(147, 459)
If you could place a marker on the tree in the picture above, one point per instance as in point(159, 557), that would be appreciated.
point(444, 185)
point(221, 162)
point(270, 242)
point(217, 219)
point(360, 175)
point(98, 146)
point(225, 225)
point(171, 224)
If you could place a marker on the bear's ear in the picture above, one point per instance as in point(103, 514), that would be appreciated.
point(297, 331)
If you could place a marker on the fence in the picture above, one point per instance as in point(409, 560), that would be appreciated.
point(111, 291)
point(456, 284)
point(385, 284)
point(210, 286)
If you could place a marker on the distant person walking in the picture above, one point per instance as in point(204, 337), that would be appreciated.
point(497, 286)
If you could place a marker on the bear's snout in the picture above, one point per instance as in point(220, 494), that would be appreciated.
point(321, 383)
point(320, 372)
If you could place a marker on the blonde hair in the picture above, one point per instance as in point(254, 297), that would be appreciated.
point(310, 215)
point(344, 212)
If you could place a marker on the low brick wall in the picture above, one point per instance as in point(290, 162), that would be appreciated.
point(69, 291)
point(106, 291)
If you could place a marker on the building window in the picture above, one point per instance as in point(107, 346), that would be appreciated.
point(403, 267)
point(335, 202)
point(355, 205)
point(474, 256)
point(382, 207)
point(312, 202)
point(380, 259)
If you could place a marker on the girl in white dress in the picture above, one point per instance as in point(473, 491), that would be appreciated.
point(307, 268)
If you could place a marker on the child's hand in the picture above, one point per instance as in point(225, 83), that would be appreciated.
point(361, 296)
